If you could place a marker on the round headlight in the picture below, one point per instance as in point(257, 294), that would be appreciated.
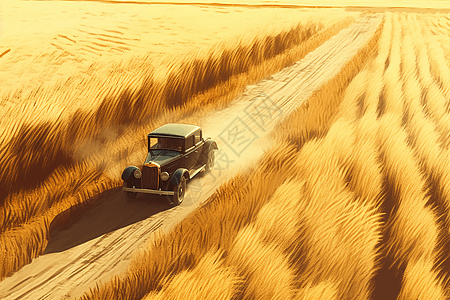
point(164, 176)
point(137, 173)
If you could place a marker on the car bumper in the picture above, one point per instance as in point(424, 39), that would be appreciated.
point(147, 191)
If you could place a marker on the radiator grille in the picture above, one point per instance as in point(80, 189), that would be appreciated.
point(150, 176)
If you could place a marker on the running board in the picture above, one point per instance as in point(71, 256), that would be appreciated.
point(197, 171)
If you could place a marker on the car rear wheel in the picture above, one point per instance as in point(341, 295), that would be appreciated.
point(129, 196)
point(210, 161)
point(179, 191)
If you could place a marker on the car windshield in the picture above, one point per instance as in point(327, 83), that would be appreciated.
point(165, 143)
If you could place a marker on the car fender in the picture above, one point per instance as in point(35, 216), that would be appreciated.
point(210, 145)
point(128, 171)
point(176, 176)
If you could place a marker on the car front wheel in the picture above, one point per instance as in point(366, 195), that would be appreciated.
point(179, 191)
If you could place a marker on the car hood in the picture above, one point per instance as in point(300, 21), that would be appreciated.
point(161, 157)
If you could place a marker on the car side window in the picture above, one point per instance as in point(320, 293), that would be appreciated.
point(197, 137)
point(189, 142)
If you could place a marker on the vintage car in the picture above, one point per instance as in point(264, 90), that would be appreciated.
point(176, 153)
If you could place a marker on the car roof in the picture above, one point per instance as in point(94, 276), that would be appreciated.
point(175, 129)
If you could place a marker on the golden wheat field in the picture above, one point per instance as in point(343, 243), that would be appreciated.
point(357, 205)
point(351, 202)
point(58, 152)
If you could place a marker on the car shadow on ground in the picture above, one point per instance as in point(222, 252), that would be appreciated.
point(108, 212)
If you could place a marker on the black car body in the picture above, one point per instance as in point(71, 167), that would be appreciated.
point(176, 153)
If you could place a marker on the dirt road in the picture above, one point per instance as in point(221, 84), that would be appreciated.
point(102, 241)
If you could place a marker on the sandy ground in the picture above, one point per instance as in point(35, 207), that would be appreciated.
point(102, 242)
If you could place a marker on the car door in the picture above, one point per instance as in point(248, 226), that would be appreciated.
point(198, 148)
point(190, 154)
